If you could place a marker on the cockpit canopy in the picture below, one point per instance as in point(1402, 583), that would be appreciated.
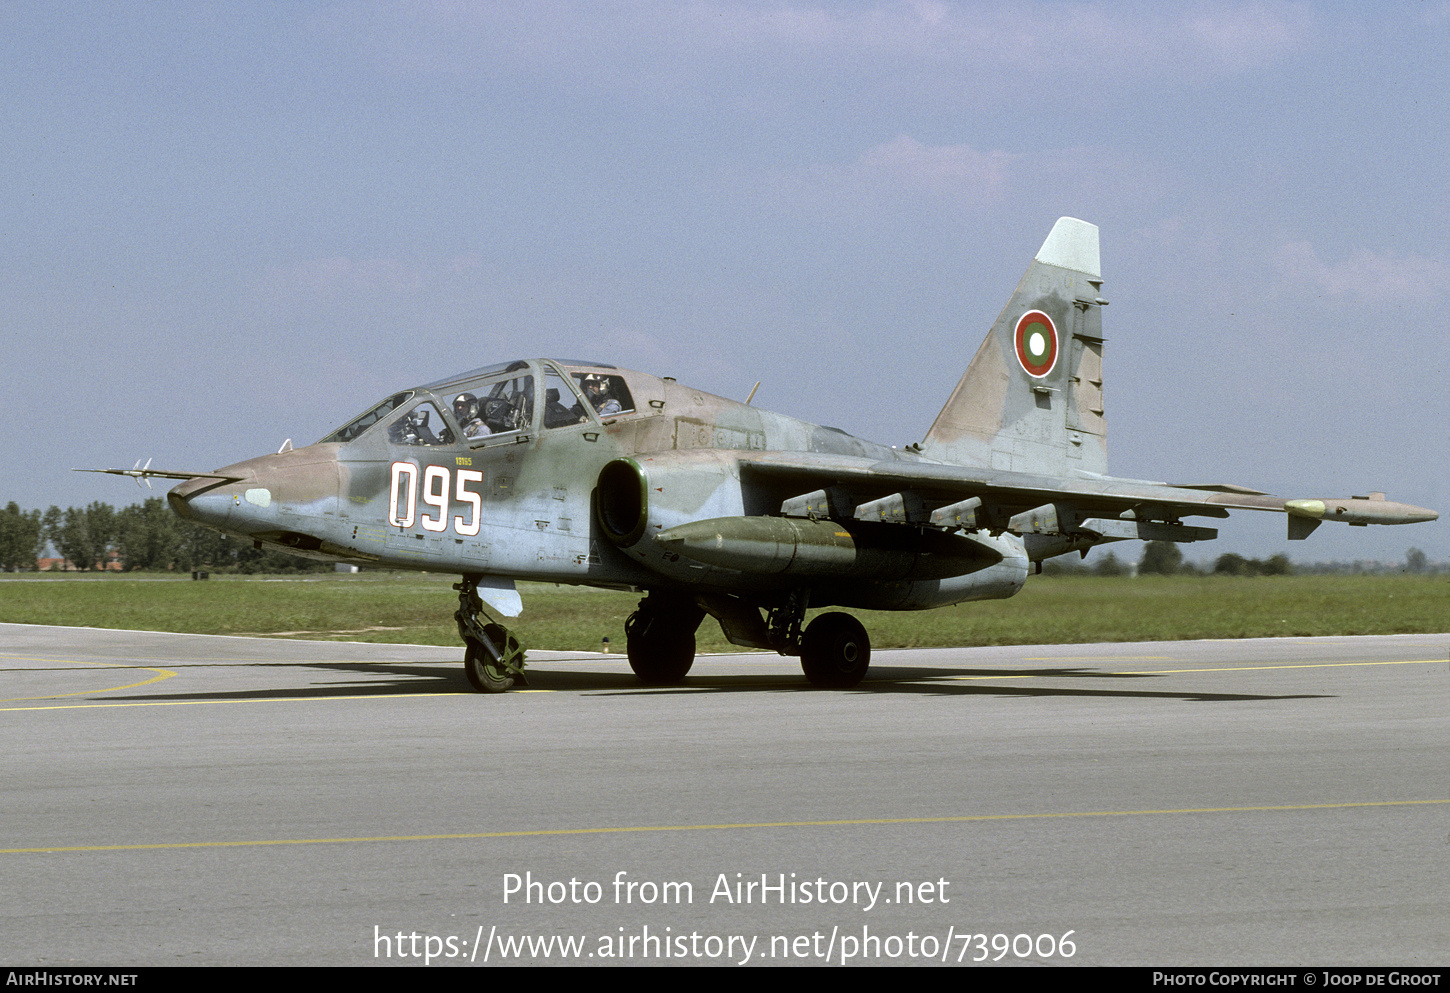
point(501, 400)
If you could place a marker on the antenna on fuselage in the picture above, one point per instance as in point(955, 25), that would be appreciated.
point(752, 393)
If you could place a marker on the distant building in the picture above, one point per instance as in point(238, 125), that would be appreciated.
point(111, 564)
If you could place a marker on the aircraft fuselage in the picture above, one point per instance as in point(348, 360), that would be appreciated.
point(532, 499)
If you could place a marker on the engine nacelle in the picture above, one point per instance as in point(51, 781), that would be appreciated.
point(684, 515)
point(638, 498)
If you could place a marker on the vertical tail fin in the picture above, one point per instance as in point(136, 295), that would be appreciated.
point(1032, 399)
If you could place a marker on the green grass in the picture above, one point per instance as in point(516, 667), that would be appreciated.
point(1051, 610)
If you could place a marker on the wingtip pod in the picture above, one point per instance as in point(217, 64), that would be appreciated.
point(1359, 510)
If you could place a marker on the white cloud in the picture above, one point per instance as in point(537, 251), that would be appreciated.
point(902, 174)
point(938, 48)
point(1366, 276)
point(1238, 36)
point(906, 175)
point(957, 170)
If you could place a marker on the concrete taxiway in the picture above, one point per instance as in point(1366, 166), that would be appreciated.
point(194, 800)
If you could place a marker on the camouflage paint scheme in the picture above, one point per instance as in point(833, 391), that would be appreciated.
point(712, 506)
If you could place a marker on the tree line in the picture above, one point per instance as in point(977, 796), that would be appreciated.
point(1165, 558)
point(145, 536)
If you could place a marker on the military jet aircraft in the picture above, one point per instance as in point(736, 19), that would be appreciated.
point(579, 472)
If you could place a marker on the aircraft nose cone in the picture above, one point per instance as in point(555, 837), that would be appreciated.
point(213, 500)
point(203, 501)
point(250, 497)
point(179, 506)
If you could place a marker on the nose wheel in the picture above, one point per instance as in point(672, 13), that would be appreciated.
point(488, 661)
point(493, 656)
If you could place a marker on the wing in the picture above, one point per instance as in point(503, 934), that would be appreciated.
point(973, 498)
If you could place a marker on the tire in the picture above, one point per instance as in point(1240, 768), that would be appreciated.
point(660, 654)
point(835, 651)
point(484, 673)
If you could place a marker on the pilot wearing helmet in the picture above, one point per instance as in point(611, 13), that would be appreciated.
point(465, 410)
point(597, 389)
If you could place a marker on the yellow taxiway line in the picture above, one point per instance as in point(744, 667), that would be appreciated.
point(745, 826)
point(160, 675)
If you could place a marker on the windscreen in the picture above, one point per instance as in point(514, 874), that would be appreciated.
point(358, 425)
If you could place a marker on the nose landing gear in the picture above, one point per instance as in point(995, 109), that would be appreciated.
point(493, 656)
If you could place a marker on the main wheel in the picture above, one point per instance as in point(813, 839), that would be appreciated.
point(486, 673)
point(835, 651)
point(660, 653)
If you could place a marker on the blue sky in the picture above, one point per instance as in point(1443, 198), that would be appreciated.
point(230, 224)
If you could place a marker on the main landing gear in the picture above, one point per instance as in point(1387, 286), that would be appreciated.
point(660, 638)
point(493, 656)
point(834, 649)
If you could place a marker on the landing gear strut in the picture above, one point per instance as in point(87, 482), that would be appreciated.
point(660, 639)
point(493, 656)
point(834, 649)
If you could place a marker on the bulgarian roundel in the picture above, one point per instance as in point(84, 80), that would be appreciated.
point(1036, 341)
